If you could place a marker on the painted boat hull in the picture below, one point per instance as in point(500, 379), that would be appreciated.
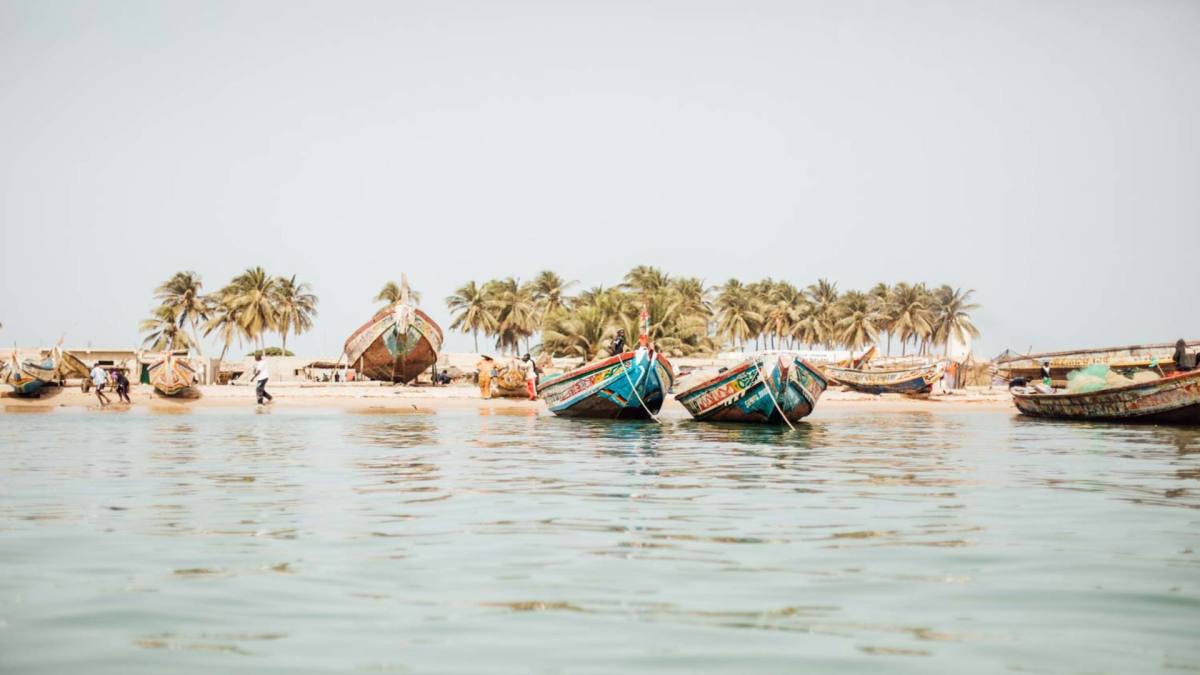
point(619, 387)
point(27, 377)
point(1174, 399)
point(744, 393)
point(1133, 357)
point(396, 345)
point(172, 375)
point(918, 380)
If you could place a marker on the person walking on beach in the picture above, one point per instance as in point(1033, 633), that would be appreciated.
point(485, 367)
point(99, 379)
point(122, 387)
point(260, 380)
point(531, 377)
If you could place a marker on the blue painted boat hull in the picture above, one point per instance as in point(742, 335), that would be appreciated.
point(763, 389)
point(631, 385)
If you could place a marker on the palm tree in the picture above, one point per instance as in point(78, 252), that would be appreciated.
point(472, 311)
point(253, 301)
point(823, 297)
point(391, 293)
point(515, 311)
point(549, 291)
point(645, 279)
point(582, 332)
point(164, 331)
point(857, 320)
point(222, 319)
point(910, 316)
point(295, 307)
point(951, 315)
point(736, 317)
point(182, 294)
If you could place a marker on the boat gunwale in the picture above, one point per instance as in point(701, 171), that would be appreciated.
point(719, 377)
point(589, 367)
point(1098, 350)
point(914, 369)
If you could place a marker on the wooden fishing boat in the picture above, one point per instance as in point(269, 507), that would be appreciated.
point(1174, 399)
point(172, 375)
point(510, 380)
point(631, 385)
point(914, 380)
point(771, 389)
point(27, 377)
point(397, 344)
point(1133, 357)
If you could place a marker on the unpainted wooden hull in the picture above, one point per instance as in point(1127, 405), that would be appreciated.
point(172, 376)
point(756, 391)
point(1170, 400)
point(1132, 357)
point(626, 386)
point(395, 345)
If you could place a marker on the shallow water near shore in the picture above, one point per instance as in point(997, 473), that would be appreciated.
point(498, 541)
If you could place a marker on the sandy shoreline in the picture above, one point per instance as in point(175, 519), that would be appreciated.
point(371, 397)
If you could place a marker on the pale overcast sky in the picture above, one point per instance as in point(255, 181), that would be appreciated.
point(1043, 153)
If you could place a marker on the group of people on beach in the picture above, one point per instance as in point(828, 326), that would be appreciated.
point(102, 378)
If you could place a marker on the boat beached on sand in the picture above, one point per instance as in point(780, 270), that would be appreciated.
point(1174, 399)
point(399, 343)
point(172, 375)
point(912, 380)
point(27, 377)
point(1010, 366)
point(768, 388)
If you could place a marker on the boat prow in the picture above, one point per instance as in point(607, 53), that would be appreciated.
point(396, 345)
point(172, 375)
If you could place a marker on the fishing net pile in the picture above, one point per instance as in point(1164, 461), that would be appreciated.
point(1099, 376)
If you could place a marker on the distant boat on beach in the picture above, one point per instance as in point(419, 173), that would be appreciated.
point(1174, 399)
point(399, 343)
point(1010, 366)
point(172, 374)
point(767, 388)
point(917, 379)
point(630, 385)
point(27, 377)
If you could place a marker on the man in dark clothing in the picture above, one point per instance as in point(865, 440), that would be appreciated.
point(1184, 361)
point(123, 387)
point(618, 343)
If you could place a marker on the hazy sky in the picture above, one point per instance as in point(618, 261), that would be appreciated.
point(1046, 154)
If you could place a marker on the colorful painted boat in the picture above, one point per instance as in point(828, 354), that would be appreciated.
point(761, 389)
point(172, 375)
point(399, 343)
point(914, 380)
point(631, 385)
point(1132, 357)
point(27, 377)
point(1174, 399)
point(510, 379)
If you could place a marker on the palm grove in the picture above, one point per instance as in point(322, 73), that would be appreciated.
point(688, 318)
point(249, 307)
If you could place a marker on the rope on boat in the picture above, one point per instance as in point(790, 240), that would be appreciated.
point(767, 386)
point(625, 371)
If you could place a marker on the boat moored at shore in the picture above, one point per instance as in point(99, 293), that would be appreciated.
point(914, 380)
point(630, 385)
point(769, 389)
point(1174, 399)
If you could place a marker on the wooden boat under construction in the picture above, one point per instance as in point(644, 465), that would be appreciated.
point(1133, 357)
point(767, 389)
point(913, 380)
point(1174, 399)
point(172, 375)
point(631, 385)
point(396, 345)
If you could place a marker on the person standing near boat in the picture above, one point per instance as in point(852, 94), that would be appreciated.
point(618, 343)
point(531, 377)
point(485, 367)
point(1184, 362)
point(99, 379)
point(261, 375)
point(1046, 386)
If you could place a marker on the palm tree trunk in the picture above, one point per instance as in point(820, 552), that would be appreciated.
point(475, 334)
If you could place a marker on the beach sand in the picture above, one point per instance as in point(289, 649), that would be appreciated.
point(373, 397)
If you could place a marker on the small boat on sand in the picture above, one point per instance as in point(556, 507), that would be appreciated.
point(399, 343)
point(630, 385)
point(27, 377)
point(172, 374)
point(913, 380)
point(1174, 399)
point(1011, 366)
point(767, 389)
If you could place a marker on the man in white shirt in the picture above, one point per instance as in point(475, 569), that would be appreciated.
point(260, 379)
point(99, 379)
